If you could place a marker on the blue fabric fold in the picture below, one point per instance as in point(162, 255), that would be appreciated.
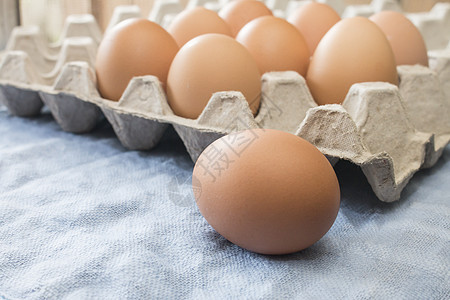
point(83, 218)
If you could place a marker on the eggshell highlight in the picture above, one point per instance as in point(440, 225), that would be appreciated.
point(405, 39)
point(352, 51)
point(267, 191)
point(239, 12)
point(194, 22)
point(275, 44)
point(313, 20)
point(207, 64)
point(134, 47)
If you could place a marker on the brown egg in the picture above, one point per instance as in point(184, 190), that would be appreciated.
point(354, 50)
point(267, 191)
point(134, 47)
point(313, 20)
point(239, 12)
point(275, 44)
point(194, 22)
point(207, 64)
point(405, 39)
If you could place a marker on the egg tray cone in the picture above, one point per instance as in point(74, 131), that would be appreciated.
point(79, 41)
point(390, 132)
point(46, 55)
point(30, 62)
point(31, 40)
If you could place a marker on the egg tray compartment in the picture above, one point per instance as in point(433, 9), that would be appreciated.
point(46, 56)
point(21, 79)
point(32, 40)
point(349, 131)
point(44, 61)
point(434, 24)
point(79, 41)
point(78, 30)
point(367, 10)
point(390, 132)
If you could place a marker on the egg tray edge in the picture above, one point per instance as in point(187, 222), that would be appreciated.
point(286, 105)
point(340, 131)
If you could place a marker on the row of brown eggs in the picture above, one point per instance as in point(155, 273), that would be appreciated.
point(192, 64)
point(265, 190)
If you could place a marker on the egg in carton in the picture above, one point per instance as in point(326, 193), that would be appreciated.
point(45, 55)
point(375, 127)
point(434, 25)
point(48, 59)
point(390, 131)
point(28, 48)
point(163, 11)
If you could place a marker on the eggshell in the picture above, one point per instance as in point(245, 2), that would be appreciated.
point(194, 22)
point(239, 12)
point(134, 47)
point(207, 64)
point(275, 44)
point(267, 191)
point(405, 39)
point(313, 20)
point(354, 50)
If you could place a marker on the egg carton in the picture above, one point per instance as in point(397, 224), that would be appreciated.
point(10, 19)
point(123, 12)
point(45, 55)
point(79, 41)
point(30, 38)
point(375, 6)
point(439, 62)
point(164, 11)
point(434, 25)
point(390, 132)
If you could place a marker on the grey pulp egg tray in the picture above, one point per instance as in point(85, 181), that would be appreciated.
point(390, 132)
point(434, 24)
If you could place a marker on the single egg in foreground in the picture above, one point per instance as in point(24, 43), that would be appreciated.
point(267, 191)
point(208, 64)
point(134, 47)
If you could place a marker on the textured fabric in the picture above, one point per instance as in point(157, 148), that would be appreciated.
point(83, 218)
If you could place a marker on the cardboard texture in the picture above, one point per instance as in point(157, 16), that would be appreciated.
point(390, 132)
point(366, 10)
point(434, 25)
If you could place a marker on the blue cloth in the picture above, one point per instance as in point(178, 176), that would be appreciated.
point(83, 218)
